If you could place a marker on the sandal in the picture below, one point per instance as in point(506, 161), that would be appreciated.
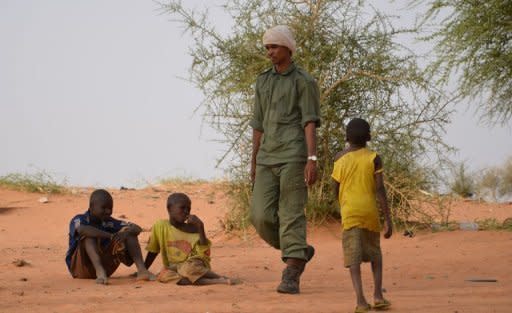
point(363, 309)
point(381, 305)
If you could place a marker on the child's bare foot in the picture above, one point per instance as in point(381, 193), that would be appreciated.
point(146, 275)
point(101, 277)
point(233, 281)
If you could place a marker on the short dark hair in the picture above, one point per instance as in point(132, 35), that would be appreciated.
point(358, 131)
point(100, 196)
point(175, 198)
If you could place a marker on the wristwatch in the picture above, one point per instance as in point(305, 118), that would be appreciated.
point(312, 158)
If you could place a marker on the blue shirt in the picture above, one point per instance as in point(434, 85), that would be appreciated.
point(110, 225)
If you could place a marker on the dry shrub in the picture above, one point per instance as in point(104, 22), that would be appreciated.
point(354, 53)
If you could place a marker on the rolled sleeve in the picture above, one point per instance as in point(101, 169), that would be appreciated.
point(309, 102)
point(336, 172)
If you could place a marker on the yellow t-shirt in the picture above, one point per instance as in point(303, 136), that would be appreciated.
point(176, 246)
point(355, 172)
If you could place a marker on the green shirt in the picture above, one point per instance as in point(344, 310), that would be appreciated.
point(284, 104)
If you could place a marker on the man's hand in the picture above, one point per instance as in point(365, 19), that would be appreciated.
point(195, 221)
point(310, 173)
point(388, 228)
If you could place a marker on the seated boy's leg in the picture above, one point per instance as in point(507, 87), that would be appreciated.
point(193, 269)
point(91, 261)
point(219, 279)
point(167, 275)
point(81, 264)
point(132, 254)
point(195, 272)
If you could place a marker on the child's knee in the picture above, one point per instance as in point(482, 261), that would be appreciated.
point(132, 237)
point(90, 242)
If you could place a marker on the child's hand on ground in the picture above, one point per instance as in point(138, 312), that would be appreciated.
point(195, 221)
point(388, 228)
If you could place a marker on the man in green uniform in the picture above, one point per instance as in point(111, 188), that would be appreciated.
point(285, 118)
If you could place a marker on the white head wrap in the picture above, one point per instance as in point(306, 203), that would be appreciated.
point(280, 35)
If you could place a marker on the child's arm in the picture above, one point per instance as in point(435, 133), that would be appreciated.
point(199, 226)
point(130, 229)
point(150, 257)
point(381, 197)
point(133, 229)
point(91, 231)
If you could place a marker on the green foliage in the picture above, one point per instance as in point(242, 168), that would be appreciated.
point(38, 182)
point(362, 72)
point(463, 183)
point(475, 38)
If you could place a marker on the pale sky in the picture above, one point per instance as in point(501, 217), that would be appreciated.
point(90, 92)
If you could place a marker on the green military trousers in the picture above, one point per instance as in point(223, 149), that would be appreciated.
point(277, 212)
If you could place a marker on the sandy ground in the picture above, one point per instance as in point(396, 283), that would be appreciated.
point(426, 273)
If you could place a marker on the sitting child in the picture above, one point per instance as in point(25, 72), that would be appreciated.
point(98, 243)
point(185, 249)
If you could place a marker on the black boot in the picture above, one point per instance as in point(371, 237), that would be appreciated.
point(310, 252)
point(290, 280)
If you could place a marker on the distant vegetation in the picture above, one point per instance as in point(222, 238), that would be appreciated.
point(463, 182)
point(180, 180)
point(491, 183)
point(493, 224)
point(38, 182)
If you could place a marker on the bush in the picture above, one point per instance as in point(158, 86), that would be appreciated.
point(39, 182)
point(463, 183)
point(362, 71)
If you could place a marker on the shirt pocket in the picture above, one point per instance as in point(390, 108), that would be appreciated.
point(275, 99)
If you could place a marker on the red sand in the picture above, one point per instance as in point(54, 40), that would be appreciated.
point(426, 273)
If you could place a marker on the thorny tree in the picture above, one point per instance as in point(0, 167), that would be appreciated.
point(475, 39)
point(349, 48)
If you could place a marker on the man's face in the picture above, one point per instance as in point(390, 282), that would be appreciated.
point(278, 54)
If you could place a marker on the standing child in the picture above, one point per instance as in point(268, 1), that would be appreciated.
point(98, 243)
point(185, 249)
point(358, 182)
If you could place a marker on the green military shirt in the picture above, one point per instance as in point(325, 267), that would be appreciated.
point(284, 103)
